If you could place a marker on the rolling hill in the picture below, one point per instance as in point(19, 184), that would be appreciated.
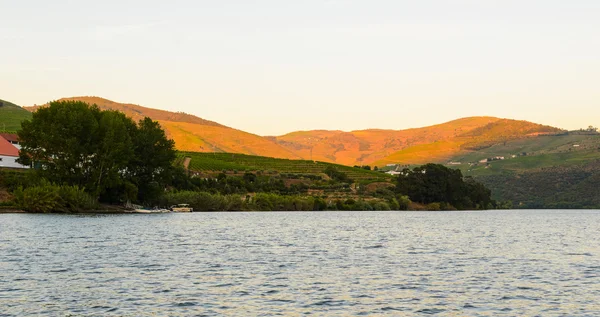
point(11, 116)
point(554, 171)
point(192, 133)
point(437, 143)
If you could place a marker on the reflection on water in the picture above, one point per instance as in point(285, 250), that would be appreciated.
point(494, 263)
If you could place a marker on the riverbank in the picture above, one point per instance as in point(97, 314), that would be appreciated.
point(11, 211)
point(104, 209)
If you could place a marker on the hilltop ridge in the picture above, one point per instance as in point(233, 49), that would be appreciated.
point(137, 112)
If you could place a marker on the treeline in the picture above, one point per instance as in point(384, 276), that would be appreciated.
point(203, 201)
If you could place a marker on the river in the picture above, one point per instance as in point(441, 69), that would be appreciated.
point(485, 263)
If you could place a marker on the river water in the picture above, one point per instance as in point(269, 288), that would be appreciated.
point(491, 263)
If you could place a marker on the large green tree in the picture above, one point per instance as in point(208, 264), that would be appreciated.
point(63, 140)
point(152, 164)
point(104, 152)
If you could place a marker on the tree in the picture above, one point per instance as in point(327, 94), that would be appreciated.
point(154, 155)
point(435, 183)
point(334, 174)
point(114, 152)
point(63, 139)
point(104, 152)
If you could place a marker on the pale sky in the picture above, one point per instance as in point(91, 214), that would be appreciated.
point(274, 66)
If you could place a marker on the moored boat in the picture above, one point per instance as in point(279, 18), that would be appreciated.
point(182, 208)
point(150, 211)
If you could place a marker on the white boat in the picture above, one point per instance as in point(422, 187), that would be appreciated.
point(151, 211)
point(182, 208)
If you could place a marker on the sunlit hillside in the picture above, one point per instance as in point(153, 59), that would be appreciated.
point(412, 146)
point(497, 132)
point(192, 133)
point(436, 143)
point(369, 146)
point(206, 138)
point(137, 112)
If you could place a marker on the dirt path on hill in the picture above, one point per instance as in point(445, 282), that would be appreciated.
point(186, 162)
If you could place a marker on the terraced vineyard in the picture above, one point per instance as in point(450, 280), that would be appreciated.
point(242, 162)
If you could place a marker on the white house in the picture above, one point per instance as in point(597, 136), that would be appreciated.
point(9, 154)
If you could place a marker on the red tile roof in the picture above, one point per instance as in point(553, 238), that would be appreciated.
point(10, 137)
point(7, 149)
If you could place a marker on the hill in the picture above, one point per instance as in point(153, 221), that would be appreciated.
point(559, 171)
point(436, 143)
point(192, 133)
point(11, 116)
point(412, 146)
point(137, 112)
point(567, 180)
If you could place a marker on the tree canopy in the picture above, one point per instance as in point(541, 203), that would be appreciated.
point(435, 183)
point(105, 152)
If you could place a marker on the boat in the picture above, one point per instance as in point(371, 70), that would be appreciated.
point(155, 210)
point(181, 208)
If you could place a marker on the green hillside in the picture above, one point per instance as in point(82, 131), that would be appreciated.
point(11, 116)
point(529, 163)
point(559, 186)
point(559, 171)
point(565, 143)
point(241, 162)
point(552, 180)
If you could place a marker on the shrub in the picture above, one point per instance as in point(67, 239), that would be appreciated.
point(75, 199)
point(403, 202)
point(380, 205)
point(434, 207)
point(48, 197)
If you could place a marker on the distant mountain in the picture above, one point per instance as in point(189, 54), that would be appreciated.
point(11, 116)
point(412, 146)
point(436, 143)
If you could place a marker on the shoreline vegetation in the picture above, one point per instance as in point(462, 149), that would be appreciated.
point(85, 160)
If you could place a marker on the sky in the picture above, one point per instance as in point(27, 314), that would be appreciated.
point(271, 67)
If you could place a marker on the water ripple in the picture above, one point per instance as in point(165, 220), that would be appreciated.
point(495, 263)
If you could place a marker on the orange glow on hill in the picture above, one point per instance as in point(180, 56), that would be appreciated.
point(435, 143)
